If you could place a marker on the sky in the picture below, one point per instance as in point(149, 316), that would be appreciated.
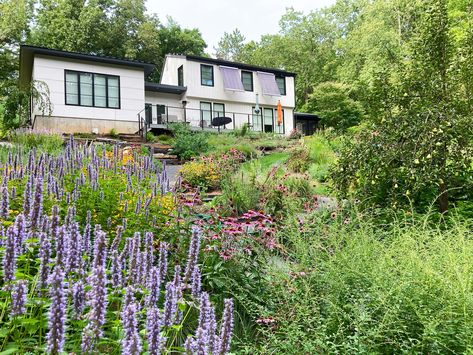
point(214, 17)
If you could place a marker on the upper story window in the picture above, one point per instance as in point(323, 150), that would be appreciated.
point(247, 80)
point(206, 75)
point(93, 90)
point(281, 81)
point(180, 76)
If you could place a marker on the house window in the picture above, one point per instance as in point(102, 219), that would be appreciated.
point(247, 80)
point(92, 90)
point(205, 114)
point(206, 75)
point(281, 81)
point(219, 110)
point(268, 120)
point(180, 76)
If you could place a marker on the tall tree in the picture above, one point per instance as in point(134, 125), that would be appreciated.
point(230, 46)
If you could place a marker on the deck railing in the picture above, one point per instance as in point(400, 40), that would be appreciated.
point(161, 116)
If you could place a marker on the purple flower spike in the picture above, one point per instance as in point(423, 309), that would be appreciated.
point(18, 298)
point(37, 209)
point(196, 283)
point(116, 270)
point(163, 260)
point(5, 204)
point(170, 304)
point(9, 258)
point(62, 248)
point(20, 226)
point(100, 248)
point(153, 329)
point(57, 313)
point(227, 327)
point(154, 284)
point(45, 258)
point(78, 299)
point(97, 301)
point(131, 344)
point(193, 254)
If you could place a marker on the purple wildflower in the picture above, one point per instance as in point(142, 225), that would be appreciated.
point(37, 209)
point(154, 285)
point(163, 260)
point(193, 253)
point(149, 250)
point(196, 283)
point(153, 328)
point(44, 257)
point(20, 227)
point(227, 327)
point(97, 300)
point(75, 246)
point(57, 313)
point(131, 344)
point(100, 248)
point(170, 304)
point(78, 299)
point(5, 204)
point(116, 270)
point(9, 257)
point(27, 195)
point(62, 248)
point(18, 298)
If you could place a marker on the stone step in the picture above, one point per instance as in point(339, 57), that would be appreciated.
point(168, 158)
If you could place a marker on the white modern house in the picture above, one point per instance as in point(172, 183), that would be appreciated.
point(92, 93)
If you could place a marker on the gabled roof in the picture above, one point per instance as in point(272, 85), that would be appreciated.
point(168, 89)
point(242, 66)
point(27, 54)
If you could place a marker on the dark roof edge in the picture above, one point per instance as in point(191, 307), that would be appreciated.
point(164, 88)
point(147, 67)
point(239, 65)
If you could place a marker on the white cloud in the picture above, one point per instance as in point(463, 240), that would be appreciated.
point(214, 17)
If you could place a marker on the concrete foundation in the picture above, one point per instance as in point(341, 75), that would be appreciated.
point(84, 125)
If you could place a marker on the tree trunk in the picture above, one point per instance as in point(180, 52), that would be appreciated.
point(443, 198)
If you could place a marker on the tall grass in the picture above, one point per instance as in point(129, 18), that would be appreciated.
point(405, 289)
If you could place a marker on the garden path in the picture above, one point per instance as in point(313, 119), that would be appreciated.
point(173, 173)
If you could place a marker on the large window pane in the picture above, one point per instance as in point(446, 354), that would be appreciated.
point(256, 120)
point(281, 81)
point(86, 89)
point(219, 110)
point(72, 89)
point(206, 75)
point(247, 80)
point(268, 120)
point(113, 92)
point(100, 90)
point(206, 114)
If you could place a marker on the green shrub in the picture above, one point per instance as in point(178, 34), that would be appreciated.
point(299, 160)
point(113, 133)
point(239, 195)
point(150, 137)
point(44, 141)
point(164, 138)
point(188, 144)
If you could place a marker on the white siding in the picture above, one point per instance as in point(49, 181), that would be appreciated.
point(51, 71)
point(237, 102)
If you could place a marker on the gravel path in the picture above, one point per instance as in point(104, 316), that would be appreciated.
point(173, 173)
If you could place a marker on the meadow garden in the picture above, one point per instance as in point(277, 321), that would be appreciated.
point(101, 254)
